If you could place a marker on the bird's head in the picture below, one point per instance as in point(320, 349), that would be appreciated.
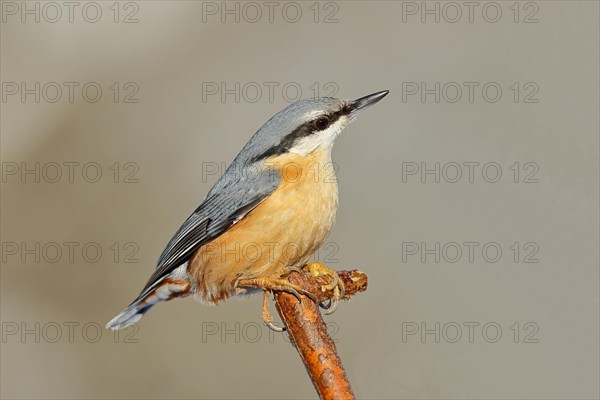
point(305, 126)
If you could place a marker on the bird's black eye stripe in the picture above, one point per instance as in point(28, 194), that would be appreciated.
point(323, 122)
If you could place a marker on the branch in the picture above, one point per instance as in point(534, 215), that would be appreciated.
point(308, 332)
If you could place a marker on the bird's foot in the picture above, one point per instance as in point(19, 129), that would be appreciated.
point(316, 269)
point(266, 314)
point(276, 283)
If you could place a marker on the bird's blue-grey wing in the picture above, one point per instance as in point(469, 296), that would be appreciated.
point(227, 203)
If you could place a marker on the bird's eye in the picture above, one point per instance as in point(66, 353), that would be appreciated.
point(321, 123)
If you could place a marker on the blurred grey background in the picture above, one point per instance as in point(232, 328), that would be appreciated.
point(184, 84)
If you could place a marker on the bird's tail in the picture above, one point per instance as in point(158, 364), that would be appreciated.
point(164, 290)
point(128, 316)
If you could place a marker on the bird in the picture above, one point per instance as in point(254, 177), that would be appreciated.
point(267, 214)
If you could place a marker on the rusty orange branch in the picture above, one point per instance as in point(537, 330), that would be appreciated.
point(308, 332)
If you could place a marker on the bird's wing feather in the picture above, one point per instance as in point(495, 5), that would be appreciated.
point(217, 213)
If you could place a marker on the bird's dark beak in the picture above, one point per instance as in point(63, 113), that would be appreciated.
point(365, 102)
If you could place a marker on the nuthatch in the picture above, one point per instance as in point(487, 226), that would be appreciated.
point(267, 214)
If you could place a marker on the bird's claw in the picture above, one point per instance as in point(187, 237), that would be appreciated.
point(316, 269)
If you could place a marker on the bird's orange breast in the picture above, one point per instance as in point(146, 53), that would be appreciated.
point(282, 231)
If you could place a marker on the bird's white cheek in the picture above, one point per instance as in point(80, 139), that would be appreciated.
point(323, 140)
